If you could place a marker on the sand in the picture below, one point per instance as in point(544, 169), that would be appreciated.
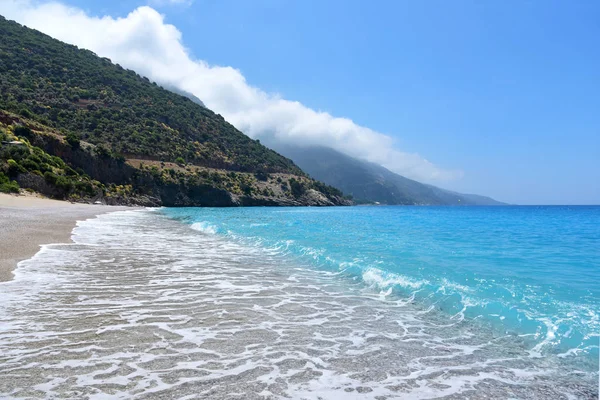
point(27, 222)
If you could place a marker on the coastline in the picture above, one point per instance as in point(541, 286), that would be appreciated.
point(192, 312)
point(28, 222)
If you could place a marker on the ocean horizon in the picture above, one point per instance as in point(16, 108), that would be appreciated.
point(308, 303)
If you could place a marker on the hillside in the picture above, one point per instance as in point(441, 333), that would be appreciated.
point(117, 128)
point(369, 182)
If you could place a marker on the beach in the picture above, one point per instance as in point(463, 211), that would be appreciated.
point(27, 222)
point(247, 303)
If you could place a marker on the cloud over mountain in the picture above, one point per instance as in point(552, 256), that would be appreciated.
point(143, 42)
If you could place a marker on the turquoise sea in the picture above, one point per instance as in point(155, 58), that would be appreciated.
point(310, 303)
point(531, 270)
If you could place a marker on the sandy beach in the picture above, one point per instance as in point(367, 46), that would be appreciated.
point(27, 222)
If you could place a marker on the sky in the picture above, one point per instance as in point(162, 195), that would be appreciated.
point(500, 98)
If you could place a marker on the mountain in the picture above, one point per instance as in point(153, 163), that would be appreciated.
point(79, 122)
point(369, 182)
point(466, 199)
point(183, 93)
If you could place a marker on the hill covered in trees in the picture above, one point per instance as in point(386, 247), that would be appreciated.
point(125, 137)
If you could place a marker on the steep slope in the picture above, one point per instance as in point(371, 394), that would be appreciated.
point(369, 182)
point(151, 137)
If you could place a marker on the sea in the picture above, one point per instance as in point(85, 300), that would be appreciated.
point(310, 303)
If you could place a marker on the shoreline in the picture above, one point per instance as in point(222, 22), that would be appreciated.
point(27, 222)
point(143, 281)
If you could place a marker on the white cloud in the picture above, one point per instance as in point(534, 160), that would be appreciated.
point(142, 41)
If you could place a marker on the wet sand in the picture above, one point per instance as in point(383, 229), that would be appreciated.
point(27, 222)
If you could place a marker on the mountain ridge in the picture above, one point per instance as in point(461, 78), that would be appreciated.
point(370, 182)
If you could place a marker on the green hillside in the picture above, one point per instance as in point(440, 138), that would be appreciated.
point(150, 137)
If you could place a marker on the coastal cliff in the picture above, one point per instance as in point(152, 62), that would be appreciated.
point(44, 161)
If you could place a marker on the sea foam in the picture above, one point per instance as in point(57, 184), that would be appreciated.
point(143, 306)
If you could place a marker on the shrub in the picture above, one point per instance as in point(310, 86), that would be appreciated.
point(50, 177)
point(247, 189)
point(22, 131)
point(16, 153)
point(57, 162)
point(45, 167)
point(26, 113)
point(70, 171)
point(64, 184)
point(14, 168)
point(35, 158)
point(119, 157)
point(85, 187)
point(8, 186)
point(102, 152)
point(297, 188)
point(262, 176)
point(73, 140)
point(180, 161)
point(30, 165)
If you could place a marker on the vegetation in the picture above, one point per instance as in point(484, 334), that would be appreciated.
point(91, 99)
point(8, 186)
point(23, 159)
point(90, 129)
point(73, 140)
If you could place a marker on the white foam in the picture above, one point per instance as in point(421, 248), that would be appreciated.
point(142, 306)
point(384, 281)
point(205, 227)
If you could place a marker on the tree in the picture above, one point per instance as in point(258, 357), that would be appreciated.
point(297, 188)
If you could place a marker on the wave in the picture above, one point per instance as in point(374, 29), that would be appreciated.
point(388, 281)
point(546, 325)
point(205, 227)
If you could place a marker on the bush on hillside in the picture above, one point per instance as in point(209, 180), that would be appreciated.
point(8, 186)
point(14, 168)
point(73, 140)
point(23, 131)
point(297, 188)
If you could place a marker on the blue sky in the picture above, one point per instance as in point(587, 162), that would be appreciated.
point(508, 92)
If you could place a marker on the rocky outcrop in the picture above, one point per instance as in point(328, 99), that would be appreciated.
point(37, 184)
point(314, 198)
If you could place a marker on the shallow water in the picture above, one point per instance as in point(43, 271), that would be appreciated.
point(526, 270)
point(143, 306)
